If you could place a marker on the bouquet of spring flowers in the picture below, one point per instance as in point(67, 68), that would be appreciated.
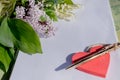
point(23, 23)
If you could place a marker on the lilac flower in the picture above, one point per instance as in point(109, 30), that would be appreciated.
point(32, 15)
point(20, 12)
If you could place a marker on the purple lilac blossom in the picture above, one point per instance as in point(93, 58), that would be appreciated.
point(44, 29)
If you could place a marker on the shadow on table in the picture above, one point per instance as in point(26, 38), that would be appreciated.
point(66, 64)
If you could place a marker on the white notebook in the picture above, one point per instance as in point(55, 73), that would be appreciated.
point(92, 24)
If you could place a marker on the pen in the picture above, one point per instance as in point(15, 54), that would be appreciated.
point(99, 52)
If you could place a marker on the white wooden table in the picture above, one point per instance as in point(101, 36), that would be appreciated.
point(93, 24)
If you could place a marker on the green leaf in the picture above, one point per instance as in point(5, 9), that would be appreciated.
point(23, 1)
point(4, 58)
point(26, 38)
point(60, 1)
point(6, 37)
point(68, 2)
point(43, 18)
point(51, 14)
point(11, 53)
point(2, 67)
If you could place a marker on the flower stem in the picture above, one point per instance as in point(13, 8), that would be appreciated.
point(7, 75)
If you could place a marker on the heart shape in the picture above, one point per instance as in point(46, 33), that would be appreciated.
point(98, 66)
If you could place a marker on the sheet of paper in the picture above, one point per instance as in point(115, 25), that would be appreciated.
point(93, 24)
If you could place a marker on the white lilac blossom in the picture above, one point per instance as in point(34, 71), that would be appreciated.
point(32, 15)
point(5, 7)
point(1, 7)
point(64, 11)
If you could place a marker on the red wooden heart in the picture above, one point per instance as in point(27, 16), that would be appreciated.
point(97, 66)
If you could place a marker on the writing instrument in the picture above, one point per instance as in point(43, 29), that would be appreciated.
point(99, 52)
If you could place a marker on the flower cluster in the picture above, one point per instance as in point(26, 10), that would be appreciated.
point(21, 21)
point(33, 14)
point(64, 11)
